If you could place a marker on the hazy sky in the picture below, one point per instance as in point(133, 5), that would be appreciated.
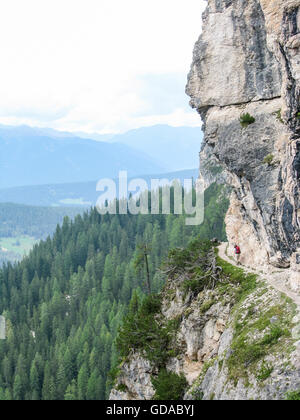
point(97, 65)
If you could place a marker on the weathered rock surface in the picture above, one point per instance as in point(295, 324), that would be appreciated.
point(136, 381)
point(211, 325)
point(247, 60)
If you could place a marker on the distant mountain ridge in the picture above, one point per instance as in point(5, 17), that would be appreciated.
point(176, 148)
point(38, 156)
point(81, 194)
point(30, 158)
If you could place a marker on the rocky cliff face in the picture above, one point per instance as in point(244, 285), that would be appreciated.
point(247, 60)
point(236, 337)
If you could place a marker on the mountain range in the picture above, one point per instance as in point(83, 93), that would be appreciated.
point(80, 194)
point(176, 148)
point(34, 156)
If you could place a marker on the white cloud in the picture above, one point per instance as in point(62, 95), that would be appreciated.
point(95, 65)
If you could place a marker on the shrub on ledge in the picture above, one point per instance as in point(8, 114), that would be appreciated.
point(246, 119)
point(269, 159)
point(293, 396)
point(169, 386)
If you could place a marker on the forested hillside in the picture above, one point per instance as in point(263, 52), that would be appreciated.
point(39, 222)
point(65, 302)
point(22, 226)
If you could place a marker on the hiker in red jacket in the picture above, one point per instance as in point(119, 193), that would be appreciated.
point(237, 251)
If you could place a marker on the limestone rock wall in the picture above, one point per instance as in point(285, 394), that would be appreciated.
point(247, 60)
point(211, 324)
point(136, 381)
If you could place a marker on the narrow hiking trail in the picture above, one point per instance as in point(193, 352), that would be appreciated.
point(276, 278)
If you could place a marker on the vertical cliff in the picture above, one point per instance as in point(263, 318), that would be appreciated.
point(215, 332)
point(247, 61)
